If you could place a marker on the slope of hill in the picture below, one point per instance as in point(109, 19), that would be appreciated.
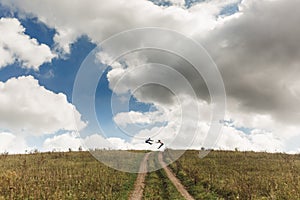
point(239, 175)
point(220, 175)
point(72, 175)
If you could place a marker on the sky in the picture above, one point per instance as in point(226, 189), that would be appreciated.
point(124, 99)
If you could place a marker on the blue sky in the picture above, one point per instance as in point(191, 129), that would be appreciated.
point(238, 44)
point(59, 75)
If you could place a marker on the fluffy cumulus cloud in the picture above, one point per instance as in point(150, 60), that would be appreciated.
point(133, 117)
point(257, 140)
point(16, 46)
point(26, 108)
point(130, 75)
point(259, 62)
point(62, 142)
point(180, 3)
point(105, 18)
point(72, 141)
point(259, 65)
point(257, 51)
point(12, 144)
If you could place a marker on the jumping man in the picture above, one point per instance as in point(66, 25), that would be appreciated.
point(149, 141)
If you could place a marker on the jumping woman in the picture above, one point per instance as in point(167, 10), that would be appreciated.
point(161, 144)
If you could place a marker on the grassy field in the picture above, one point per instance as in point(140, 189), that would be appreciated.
point(220, 175)
point(72, 175)
point(239, 175)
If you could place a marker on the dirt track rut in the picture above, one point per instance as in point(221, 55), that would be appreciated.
point(173, 178)
point(139, 184)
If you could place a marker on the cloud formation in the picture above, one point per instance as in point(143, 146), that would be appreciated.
point(257, 51)
point(72, 141)
point(62, 142)
point(30, 109)
point(143, 118)
point(258, 54)
point(11, 143)
point(16, 46)
point(104, 18)
point(259, 65)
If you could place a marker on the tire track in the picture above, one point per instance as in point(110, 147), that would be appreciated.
point(173, 179)
point(139, 184)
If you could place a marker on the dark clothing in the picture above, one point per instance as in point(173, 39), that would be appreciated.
point(149, 141)
point(161, 144)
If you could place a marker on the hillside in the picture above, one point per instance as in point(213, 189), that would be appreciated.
point(239, 175)
point(220, 175)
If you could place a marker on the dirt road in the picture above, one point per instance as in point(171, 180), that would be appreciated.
point(174, 180)
point(139, 184)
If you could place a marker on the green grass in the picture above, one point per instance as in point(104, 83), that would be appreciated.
point(72, 175)
point(239, 175)
point(220, 175)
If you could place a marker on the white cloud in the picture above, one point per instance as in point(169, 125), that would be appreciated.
point(180, 131)
point(180, 3)
point(119, 143)
point(257, 140)
point(101, 19)
point(266, 134)
point(95, 141)
point(258, 61)
point(133, 117)
point(106, 59)
point(12, 144)
point(28, 108)
point(16, 46)
point(62, 142)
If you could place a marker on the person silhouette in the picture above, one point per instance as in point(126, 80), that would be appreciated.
point(161, 144)
point(149, 141)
